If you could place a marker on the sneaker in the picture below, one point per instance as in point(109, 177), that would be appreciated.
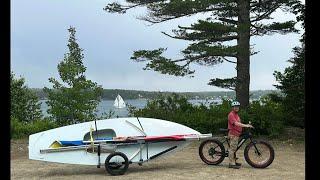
point(238, 164)
point(234, 166)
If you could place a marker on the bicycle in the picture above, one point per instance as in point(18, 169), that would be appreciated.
point(257, 153)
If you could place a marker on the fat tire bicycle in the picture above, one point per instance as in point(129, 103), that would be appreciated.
point(257, 153)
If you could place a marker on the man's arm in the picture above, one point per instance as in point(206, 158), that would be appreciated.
point(233, 121)
point(243, 125)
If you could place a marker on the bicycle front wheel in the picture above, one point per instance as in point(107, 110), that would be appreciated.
point(259, 154)
point(212, 152)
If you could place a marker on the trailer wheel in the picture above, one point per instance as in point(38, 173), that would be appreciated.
point(116, 163)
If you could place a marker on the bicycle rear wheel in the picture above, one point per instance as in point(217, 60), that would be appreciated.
point(212, 152)
point(259, 154)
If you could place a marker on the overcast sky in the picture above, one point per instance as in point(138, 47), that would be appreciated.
point(39, 41)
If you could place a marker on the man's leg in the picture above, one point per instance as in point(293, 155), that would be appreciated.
point(232, 150)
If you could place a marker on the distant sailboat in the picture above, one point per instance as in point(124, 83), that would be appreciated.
point(119, 102)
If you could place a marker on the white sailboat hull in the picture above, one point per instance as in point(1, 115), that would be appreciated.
point(109, 127)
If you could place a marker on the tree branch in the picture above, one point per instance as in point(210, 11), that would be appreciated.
point(285, 27)
point(259, 3)
point(229, 83)
point(257, 29)
point(117, 8)
point(187, 64)
point(229, 60)
point(160, 20)
point(214, 39)
point(231, 21)
point(175, 37)
point(179, 60)
point(266, 14)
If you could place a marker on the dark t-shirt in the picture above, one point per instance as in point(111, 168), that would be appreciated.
point(234, 129)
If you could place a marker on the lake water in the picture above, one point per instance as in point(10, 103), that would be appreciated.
point(107, 105)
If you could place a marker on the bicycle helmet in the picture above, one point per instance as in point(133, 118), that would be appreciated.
point(235, 103)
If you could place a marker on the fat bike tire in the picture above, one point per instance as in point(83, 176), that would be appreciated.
point(212, 152)
point(261, 162)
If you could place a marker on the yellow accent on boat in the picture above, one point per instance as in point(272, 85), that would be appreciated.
point(55, 144)
point(91, 138)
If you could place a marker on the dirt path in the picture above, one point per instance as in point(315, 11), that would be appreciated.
point(289, 163)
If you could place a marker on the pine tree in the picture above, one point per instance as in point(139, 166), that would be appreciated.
point(76, 99)
point(230, 21)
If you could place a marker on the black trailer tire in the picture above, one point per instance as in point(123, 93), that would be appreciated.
point(249, 158)
point(212, 151)
point(118, 169)
point(114, 166)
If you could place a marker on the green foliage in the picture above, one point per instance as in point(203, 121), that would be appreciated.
point(292, 84)
point(106, 115)
point(160, 63)
point(281, 28)
point(25, 104)
point(229, 83)
point(229, 21)
point(292, 80)
point(266, 116)
point(298, 9)
point(39, 92)
point(23, 129)
point(217, 28)
point(77, 100)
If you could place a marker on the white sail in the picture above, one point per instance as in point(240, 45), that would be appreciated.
point(119, 102)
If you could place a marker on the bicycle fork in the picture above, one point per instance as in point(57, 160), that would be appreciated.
point(255, 147)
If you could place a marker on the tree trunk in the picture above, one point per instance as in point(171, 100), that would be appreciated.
point(243, 56)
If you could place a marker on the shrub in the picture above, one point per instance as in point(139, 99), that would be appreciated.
point(177, 109)
point(265, 115)
point(23, 129)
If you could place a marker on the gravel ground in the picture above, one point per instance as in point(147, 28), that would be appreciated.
point(289, 163)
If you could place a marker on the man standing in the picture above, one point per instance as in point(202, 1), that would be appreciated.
point(235, 129)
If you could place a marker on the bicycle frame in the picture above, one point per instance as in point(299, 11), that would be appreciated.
point(242, 139)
